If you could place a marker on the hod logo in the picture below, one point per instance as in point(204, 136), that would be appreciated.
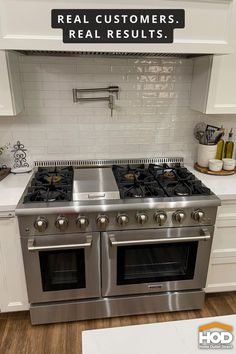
point(215, 335)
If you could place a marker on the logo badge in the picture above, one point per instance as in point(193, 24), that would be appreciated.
point(215, 335)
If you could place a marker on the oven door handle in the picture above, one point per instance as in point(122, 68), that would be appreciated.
point(32, 248)
point(206, 236)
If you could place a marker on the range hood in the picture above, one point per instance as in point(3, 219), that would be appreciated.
point(103, 54)
point(209, 28)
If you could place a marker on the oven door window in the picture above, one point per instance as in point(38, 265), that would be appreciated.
point(62, 270)
point(156, 263)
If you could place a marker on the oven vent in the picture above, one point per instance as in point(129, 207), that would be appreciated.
point(103, 54)
point(107, 163)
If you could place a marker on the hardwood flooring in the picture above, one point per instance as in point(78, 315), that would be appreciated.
point(18, 336)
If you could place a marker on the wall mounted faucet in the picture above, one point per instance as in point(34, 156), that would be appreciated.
point(113, 92)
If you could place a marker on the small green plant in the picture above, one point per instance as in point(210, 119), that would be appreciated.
point(4, 148)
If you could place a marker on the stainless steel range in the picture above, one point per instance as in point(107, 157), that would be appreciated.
point(128, 237)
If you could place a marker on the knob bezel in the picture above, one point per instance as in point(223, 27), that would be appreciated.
point(106, 220)
point(44, 225)
point(61, 227)
point(157, 215)
point(142, 218)
point(179, 216)
point(82, 225)
point(198, 215)
point(122, 219)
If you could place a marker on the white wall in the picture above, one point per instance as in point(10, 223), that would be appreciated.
point(151, 118)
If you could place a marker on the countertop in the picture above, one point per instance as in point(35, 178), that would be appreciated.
point(11, 189)
point(223, 186)
point(179, 337)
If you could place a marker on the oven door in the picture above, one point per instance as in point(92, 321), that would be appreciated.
point(62, 267)
point(147, 261)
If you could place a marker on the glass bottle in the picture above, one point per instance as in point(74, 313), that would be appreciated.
point(229, 146)
point(220, 147)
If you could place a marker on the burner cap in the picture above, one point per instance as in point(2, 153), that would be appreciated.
point(130, 176)
point(53, 178)
point(169, 174)
point(51, 196)
point(181, 190)
point(134, 192)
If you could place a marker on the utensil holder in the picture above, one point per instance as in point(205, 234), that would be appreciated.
point(205, 153)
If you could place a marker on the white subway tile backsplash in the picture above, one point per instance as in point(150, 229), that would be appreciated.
point(151, 117)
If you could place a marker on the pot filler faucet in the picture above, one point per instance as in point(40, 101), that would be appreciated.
point(113, 91)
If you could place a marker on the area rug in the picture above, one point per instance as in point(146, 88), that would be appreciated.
point(216, 334)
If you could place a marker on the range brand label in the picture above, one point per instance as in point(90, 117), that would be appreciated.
point(118, 26)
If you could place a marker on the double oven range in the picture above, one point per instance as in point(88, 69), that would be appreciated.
point(129, 238)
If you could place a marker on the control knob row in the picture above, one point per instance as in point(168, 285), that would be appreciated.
point(82, 222)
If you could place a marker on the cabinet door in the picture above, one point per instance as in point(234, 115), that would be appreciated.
point(213, 90)
point(11, 99)
point(221, 275)
point(213, 84)
point(13, 293)
point(222, 268)
point(208, 26)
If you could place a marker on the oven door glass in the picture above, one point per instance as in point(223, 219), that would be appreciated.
point(156, 263)
point(61, 270)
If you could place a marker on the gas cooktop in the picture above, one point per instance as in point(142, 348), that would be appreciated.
point(117, 182)
point(141, 181)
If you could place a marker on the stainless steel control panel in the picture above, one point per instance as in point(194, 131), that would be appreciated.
point(131, 219)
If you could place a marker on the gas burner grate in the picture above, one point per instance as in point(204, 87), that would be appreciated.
point(156, 181)
point(51, 185)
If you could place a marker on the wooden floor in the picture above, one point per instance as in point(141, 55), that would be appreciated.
point(17, 336)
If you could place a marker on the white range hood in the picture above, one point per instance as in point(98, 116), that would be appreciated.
point(26, 25)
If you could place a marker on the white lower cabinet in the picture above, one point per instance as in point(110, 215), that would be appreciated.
point(222, 268)
point(13, 293)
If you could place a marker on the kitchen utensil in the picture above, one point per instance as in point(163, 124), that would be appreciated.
point(216, 137)
point(199, 130)
point(228, 164)
point(206, 153)
point(212, 128)
point(215, 165)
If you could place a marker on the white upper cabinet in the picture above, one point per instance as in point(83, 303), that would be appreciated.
point(11, 99)
point(26, 25)
point(213, 85)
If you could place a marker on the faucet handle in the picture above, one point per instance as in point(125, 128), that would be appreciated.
point(111, 104)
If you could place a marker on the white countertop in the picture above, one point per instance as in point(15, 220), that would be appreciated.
point(223, 186)
point(175, 337)
point(11, 189)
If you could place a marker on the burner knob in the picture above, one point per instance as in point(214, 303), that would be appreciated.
point(160, 217)
point(198, 215)
point(141, 218)
point(179, 216)
point(61, 223)
point(102, 221)
point(122, 219)
point(41, 224)
point(82, 222)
